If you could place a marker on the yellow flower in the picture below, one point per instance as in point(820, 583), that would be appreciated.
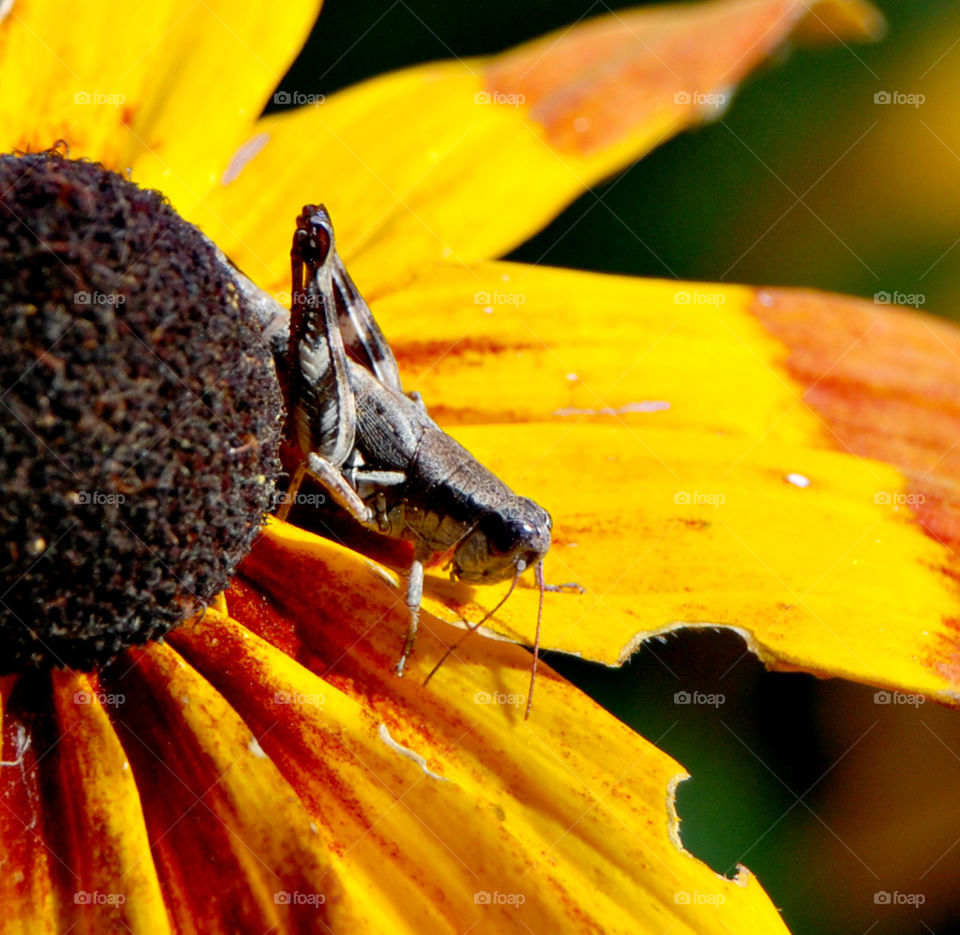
point(264, 769)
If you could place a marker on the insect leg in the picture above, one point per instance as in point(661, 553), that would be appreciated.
point(536, 642)
point(321, 408)
point(381, 478)
point(568, 587)
point(414, 597)
point(333, 481)
point(346, 497)
point(283, 511)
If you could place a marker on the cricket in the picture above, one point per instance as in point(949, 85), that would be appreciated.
point(375, 450)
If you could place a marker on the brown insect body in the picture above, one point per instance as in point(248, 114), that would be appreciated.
point(372, 447)
point(449, 499)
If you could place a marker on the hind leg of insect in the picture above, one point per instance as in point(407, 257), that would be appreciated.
point(331, 478)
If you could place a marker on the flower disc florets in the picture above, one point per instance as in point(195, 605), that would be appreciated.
point(139, 415)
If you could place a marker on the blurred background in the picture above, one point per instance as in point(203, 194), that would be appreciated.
point(815, 176)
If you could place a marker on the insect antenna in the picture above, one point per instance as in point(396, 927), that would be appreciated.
point(536, 640)
point(476, 626)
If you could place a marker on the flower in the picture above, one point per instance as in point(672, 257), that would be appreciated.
point(263, 769)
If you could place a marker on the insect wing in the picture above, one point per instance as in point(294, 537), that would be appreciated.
point(362, 336)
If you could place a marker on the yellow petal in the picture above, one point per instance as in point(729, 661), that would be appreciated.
point(661, 426)
point(463, 160)
point(169, 89)
point(447, 810)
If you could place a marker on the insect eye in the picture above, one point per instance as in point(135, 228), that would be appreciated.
point(505, 533)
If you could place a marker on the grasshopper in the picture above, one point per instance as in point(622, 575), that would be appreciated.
point(351, 427)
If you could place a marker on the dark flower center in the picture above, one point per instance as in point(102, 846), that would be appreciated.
point(139, 416)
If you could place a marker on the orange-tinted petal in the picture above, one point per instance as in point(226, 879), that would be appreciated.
point(234, 848)
point(617, 80)
point(448, 812)
point(111, 876)
point(75, 848)
point(463, 160)
point(27, 893)
point(138, 804)
point(886, 382)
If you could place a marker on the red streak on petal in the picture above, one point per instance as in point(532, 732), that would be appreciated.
point(468, 351)
point(27, 829)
